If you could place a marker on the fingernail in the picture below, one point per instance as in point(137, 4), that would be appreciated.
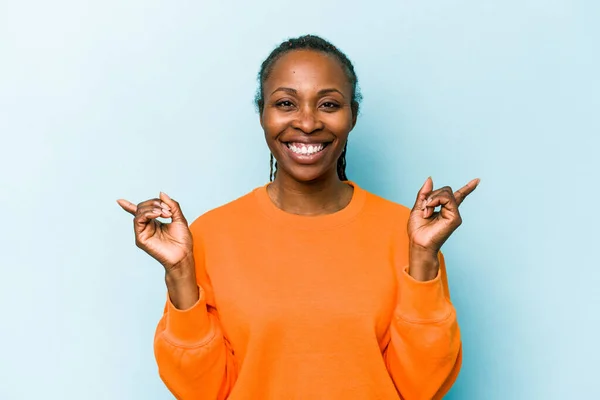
point(165, 205)
point(166, 195)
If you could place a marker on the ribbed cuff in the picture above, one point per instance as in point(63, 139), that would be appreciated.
point(188, 327)
point(422, 301)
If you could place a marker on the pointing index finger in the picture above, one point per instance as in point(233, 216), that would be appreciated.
point(127, 206)
point(464, 191)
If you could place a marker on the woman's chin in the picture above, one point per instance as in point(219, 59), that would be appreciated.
point(307, 174)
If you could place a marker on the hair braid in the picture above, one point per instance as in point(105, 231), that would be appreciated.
point(273, 171)
point(341, 164)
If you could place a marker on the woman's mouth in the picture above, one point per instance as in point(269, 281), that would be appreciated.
point(305, 149)
point(305, 153)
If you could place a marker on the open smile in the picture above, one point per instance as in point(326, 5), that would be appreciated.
point(306, 153)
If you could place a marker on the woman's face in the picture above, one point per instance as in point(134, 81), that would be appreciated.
point(307, 114)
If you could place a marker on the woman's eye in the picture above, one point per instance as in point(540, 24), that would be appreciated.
point(329, 104)
point(285, 104)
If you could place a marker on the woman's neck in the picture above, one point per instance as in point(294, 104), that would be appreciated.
point(319, 197)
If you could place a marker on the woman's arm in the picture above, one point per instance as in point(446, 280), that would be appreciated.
point(424, 354)
point(193, 356)
point(194, 359)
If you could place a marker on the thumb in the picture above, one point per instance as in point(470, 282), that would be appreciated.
point(176, 214)
point(423, 193)
point(127, 206)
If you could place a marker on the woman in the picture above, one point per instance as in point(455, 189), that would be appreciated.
point(308, 287)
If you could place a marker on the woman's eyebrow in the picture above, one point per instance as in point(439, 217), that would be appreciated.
point(285, 89)
point(330, 90)
point(320, 93)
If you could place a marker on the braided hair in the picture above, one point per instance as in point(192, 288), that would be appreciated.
point(316, 43)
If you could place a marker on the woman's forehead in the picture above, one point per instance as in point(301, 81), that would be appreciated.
point(303, 68)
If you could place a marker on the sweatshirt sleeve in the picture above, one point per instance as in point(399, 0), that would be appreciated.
point(194, 358)
point(424, 353)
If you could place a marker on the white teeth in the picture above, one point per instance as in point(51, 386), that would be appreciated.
point(304, 149)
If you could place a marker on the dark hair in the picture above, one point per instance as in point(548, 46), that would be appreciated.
point(316, 43)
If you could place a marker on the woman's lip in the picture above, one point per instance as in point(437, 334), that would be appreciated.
point(306, 143)
point(305, 159)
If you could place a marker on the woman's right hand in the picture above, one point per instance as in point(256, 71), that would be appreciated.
point(169, 243)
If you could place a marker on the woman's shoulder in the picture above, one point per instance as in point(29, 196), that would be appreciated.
point(231, 211)
point(384, 206)
point(384, 215)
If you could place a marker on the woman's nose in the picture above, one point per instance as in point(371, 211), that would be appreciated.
point(307, 120)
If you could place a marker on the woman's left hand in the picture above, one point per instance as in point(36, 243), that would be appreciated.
point(428, 230)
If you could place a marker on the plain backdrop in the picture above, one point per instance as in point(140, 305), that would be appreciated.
point(109, 99)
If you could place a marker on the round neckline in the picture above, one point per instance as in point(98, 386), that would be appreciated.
point(324, 221)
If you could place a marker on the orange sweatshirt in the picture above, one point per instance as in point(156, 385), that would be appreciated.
point(299, 307)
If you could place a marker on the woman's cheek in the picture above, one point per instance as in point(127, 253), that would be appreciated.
point(341, 119)
point(275, 124)
point(340, 127)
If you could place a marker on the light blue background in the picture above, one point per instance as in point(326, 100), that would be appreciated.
point(102, 100)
